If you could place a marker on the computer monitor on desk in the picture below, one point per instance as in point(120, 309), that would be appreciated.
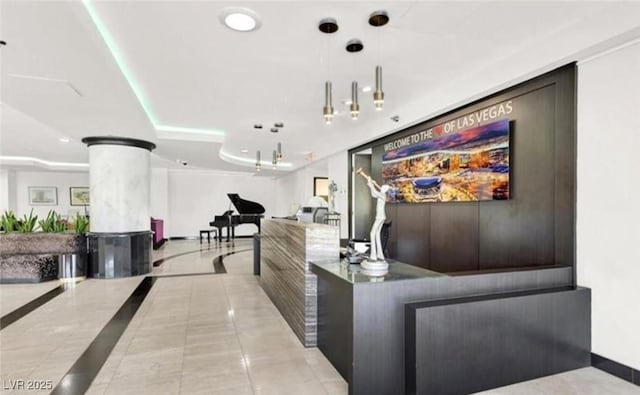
point(312, 214)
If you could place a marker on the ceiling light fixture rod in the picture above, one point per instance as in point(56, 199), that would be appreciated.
point(355, 107)
point(378, 94)
point(279, 152)
point(328, 107)
point(258, 166)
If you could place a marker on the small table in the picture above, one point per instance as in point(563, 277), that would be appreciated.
point(208, 233)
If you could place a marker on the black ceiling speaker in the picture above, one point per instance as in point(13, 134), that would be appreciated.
point(378, 18)
point(328, 25)
point(354, 45)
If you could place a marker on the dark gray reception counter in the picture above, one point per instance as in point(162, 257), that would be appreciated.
point(401, 332)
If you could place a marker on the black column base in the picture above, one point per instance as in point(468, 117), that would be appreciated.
point(116, 255)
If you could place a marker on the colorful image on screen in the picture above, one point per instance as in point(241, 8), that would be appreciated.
point(470, 165)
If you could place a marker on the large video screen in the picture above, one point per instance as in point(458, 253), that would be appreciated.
point(469, 165)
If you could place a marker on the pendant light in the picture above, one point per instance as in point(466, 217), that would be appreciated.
point(378, 19)
point(328, 26)
point(355, 107)
point(378, 94)
point(279, 153)
point(258, 166)
point(274, 159)
point(354, 46)
point(327, 111)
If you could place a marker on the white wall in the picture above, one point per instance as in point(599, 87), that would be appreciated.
point(608, 239)
point(195, 197)
point(159, 198)
point(296, 188)
point(4, 190)
point(61, 180)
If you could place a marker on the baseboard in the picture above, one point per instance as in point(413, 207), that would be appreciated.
point(619, 370)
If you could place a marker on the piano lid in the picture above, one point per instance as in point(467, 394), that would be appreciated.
point(245, 206)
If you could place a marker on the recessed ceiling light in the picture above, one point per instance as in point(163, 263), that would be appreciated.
point(335, 112)
point(366, 88)
point(64, 139)
point(240, 19)
point(244, 151)
point(347, 102)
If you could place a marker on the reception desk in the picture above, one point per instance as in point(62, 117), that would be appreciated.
point(417, 331)
point(286, 248)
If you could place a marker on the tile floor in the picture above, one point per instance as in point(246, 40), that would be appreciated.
point(204, 334)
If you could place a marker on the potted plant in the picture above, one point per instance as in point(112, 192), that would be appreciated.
point(30, 256)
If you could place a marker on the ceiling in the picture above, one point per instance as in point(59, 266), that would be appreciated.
point(161, 70)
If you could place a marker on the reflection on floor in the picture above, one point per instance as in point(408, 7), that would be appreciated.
point(207, 333)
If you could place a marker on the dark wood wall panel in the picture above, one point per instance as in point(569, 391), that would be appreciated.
point(365, 208)
point(537, 225)
point(520, 231)
point(454, 236)
point(413, 246)
point(565, 175)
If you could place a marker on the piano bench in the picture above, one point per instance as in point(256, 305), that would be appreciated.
point(208, 233)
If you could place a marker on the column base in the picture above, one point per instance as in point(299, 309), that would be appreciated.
point(116, 255)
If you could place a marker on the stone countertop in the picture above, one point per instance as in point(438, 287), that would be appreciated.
point(353, 274)
point(290, 222)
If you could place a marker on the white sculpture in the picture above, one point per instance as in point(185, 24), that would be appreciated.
point(333, 188)
point(376, 261)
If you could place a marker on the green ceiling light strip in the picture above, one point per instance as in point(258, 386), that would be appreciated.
point(128, 75)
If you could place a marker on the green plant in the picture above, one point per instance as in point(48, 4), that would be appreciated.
point(81, 223)
point(28, 223)
point(53, 223)
point(9, 222)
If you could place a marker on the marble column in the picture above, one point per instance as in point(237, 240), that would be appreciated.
point(119, 185)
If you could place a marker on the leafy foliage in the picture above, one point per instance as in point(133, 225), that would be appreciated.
point(9, 222)
point(81, 223)
point(28, 223)
point(53, 223)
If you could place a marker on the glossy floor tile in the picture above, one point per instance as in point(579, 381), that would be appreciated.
point(197, 332)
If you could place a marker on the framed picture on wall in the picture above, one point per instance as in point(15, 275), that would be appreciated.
point(321, 187)
point(79, 196)
point(43, 196)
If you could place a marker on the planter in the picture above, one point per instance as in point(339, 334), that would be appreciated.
point(35, 257)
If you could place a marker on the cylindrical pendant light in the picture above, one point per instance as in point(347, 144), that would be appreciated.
point(328, 107)
point(279, 154)
point(378, 94)
point(355, 107)
point(258, 165)
point(274, 158)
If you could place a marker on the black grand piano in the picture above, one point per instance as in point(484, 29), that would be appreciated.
point(248, 213)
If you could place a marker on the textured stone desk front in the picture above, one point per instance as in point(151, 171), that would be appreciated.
point(286, 248)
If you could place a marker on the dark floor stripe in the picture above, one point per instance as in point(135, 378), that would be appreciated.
point(160, 261)
point(218, 262)
point(78, 379)
point(23, 310)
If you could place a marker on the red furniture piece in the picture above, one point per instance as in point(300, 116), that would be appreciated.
point(157, 227)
